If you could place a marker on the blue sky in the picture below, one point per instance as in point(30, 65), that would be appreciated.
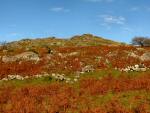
point(119, 20)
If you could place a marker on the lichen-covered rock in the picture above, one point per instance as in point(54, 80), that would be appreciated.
point(73, 53)
point(23, 56)
point(88, 68)
point(136, 68)
point(132, 54)
point(28, 56)
point(18, 77)
point(9, 59)
point(145, 56)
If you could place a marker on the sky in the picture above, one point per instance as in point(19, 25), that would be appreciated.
point(118, 20)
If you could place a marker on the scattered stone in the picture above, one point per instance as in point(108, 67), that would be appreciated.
point(60, 77)
point(17, 77)
point(136, 68)
point(4, 79)
point(61, 55)
point(26, 77)
point(9, 59)
point(38, 76)
point(67, 81)
point(23, 56)
point(132, 54)
point(57, 77)
point(75, 80)
point(88, 68)
point(145, 56)
point(143, 69)
point(73, 53)
point(28, 56)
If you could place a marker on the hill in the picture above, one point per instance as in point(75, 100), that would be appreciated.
point(82, 40)
point(52, 75)
point(89, 39)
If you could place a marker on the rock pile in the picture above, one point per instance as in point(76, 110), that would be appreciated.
point(88, 68)
point(57, 77)
point(136, 68)
point(145, 56)
point(23, 56)
point(12, 77)
point(61, 77)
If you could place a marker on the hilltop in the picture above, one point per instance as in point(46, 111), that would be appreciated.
point(78, 40)
point(91, 40)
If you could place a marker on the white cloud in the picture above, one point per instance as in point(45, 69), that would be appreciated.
point(59, 9)
point(109, 19)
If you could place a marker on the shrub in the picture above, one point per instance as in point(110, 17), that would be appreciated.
point(141, 41)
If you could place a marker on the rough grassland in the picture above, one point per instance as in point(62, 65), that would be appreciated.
point(79, 75)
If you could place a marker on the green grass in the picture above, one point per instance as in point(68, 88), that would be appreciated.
point(98, 74)
point(127, 99)
point(102, 73)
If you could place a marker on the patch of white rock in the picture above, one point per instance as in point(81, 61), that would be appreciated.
point(55, 76)
point(136, 68)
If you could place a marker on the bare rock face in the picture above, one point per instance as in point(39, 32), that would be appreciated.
point(132, 54)
point(23, 56)
point(137, 68)
point(145, 56)
point(28, 56)
point(9, 59)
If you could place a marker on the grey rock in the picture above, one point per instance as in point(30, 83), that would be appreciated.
point(88, 68)
point(9, 59)
point(73, 53)
point(23, 56)
point(28, 56)
point(132, 54)
point(145, 56)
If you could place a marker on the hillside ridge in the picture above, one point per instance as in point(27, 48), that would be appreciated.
point(78, 40)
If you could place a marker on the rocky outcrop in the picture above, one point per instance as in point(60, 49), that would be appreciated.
point(137, 68)
point(73, 54)
point(132, 54)
point(88, 68)
point(23, 56)
point(145, 56)
point(9, 59)
point(54, 76)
